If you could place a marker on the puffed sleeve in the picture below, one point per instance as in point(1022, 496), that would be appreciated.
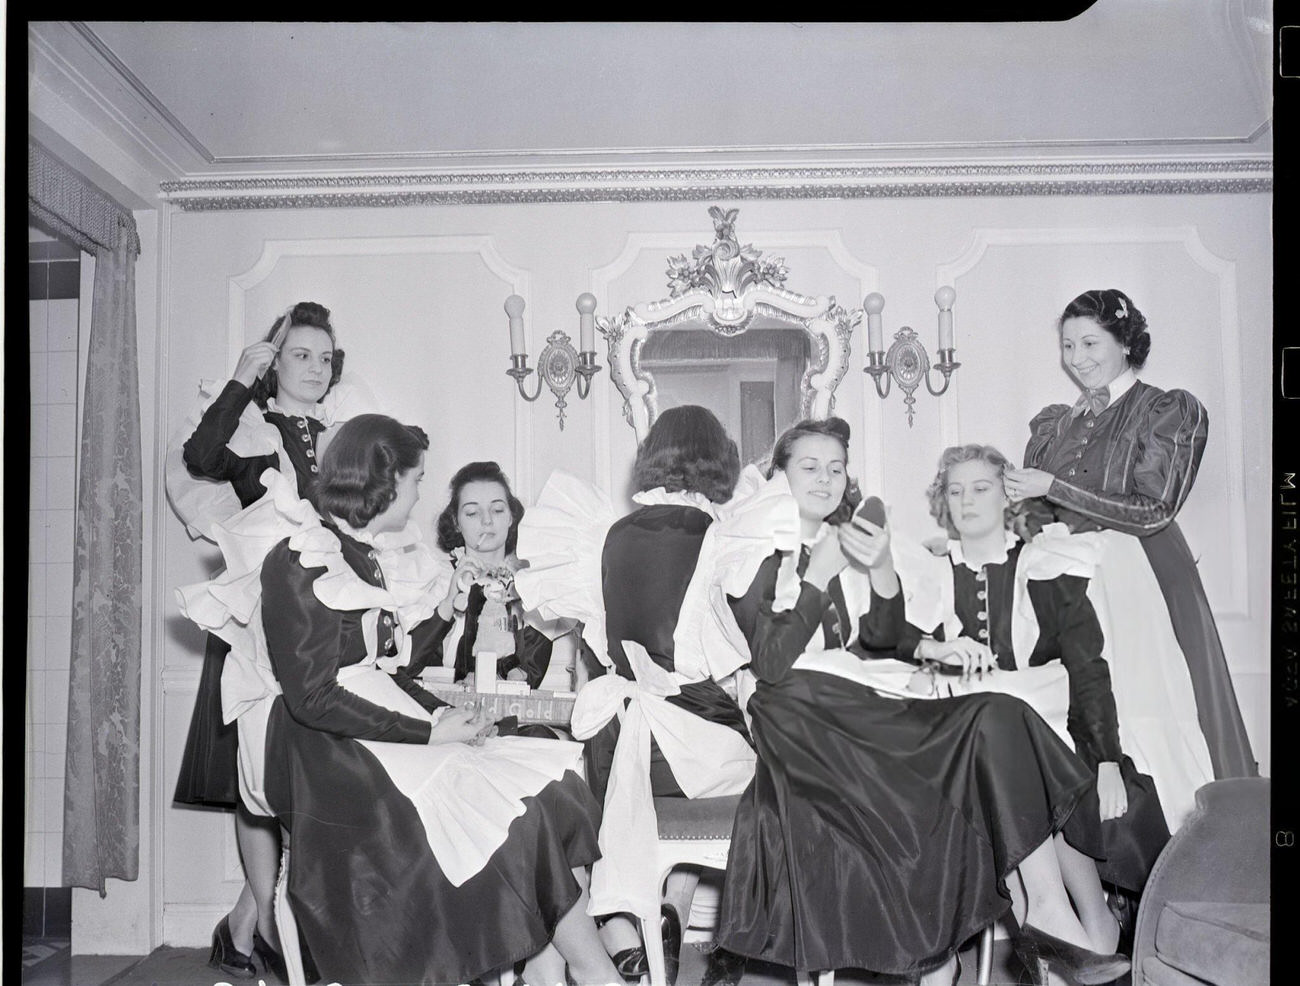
point(206, 453)
point(1168, 452)
point(1092, 719)
point(303, 638)
point(426, 649)
point(1042, 432)
point(776, 639)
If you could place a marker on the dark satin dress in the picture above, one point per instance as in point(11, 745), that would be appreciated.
point(532, 647)
point(878, 832)
point(1130, 469)
point(209, 764)
point(1069, 632)
point(367, 892)
point(647, 563)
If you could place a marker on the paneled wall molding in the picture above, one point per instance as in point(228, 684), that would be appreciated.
point(484, 247)
point(1224, 272)
point(1204, 175)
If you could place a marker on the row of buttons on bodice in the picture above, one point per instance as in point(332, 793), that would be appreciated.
point(387, 635)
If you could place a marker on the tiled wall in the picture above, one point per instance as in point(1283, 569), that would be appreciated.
point(54, 282)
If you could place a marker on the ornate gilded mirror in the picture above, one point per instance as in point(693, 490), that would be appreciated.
point(732, 337)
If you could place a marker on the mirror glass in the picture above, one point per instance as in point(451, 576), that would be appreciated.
point(752, 381)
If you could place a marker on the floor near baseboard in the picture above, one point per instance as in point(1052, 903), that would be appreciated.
point(52, 964)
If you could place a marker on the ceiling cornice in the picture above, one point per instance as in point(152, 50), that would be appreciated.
point(1132, 177)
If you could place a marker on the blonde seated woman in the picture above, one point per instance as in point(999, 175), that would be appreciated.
point(995, 601)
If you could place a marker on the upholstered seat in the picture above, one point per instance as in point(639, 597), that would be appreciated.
point(1204, 915)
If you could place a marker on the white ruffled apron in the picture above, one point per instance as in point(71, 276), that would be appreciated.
point(466, 796)
point(707, 758)
point(1154, 700)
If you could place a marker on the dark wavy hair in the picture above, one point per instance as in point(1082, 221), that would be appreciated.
point(836, 428)
point(449, 535)
point(688, 450)
point(1115, 312)
point(360, 465)
point(303, 313)
point(937, 492)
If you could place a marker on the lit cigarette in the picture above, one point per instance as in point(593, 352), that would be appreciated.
point(482, 538)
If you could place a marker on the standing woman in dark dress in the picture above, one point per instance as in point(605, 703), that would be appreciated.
point(479, 529)
point(1123, 458)
point(880, 832)
point(270, 411)
point(699, 745)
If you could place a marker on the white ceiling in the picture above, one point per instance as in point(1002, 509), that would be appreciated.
point(226, 98)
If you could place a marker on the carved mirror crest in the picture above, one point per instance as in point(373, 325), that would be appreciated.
point(730, 335)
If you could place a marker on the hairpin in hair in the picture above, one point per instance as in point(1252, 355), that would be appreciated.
point(1121, 309)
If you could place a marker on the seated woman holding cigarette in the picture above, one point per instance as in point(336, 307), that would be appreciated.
point(480, 612)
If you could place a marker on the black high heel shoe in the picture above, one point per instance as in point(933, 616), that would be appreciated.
point(670, 929)
point(631, 963)
point(226, 957)
point(723, 968)
point(271, 960)
point(1042, 953)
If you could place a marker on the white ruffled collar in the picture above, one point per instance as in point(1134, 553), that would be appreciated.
point(273, 405)
point(383, 540)
point(959, 558)
point(679, 498)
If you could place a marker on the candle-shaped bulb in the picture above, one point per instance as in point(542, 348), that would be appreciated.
point(586, 306)
point(515, 312)
point(944, 298)
point(874, 303)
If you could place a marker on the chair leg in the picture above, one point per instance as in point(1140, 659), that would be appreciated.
point(285, 923)
point(985, 970)
point(652, 936)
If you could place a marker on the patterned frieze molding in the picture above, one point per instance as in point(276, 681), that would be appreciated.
point(1132, 177)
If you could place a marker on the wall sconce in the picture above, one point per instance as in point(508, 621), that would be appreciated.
point(907, 363)
point(559, 365)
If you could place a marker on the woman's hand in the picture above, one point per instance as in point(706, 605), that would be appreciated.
point(467, 570)
point(516, 674)
point(969, 655)
point(253, 362)
point(1026, 484)
point(825, 562)
point(456, 726)
point(1111, 792)
point(865, 544)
